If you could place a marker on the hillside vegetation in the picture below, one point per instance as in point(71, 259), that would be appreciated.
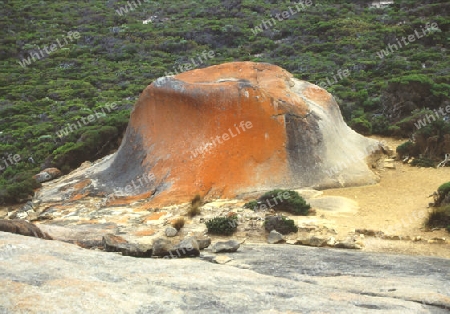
point(103, 55)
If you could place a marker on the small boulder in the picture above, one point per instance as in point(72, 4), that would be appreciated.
point(186, 248)
point(204, 243)
point(23, 228)
point(162, 247)
point(171, 232)
point(47, 175)
point(275, 237)
point(227, 246)
point(113, 243)
point(318, 241)
point(221, 259)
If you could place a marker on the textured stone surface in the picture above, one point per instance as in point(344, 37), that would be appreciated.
point(297, 139)
point(225, 246)
point(38, 276)
point(23, 228)
point(274, 237)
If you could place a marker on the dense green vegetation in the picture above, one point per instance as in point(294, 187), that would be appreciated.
point(117, 56)
point(282, 224)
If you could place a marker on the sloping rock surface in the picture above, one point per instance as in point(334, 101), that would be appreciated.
point(226, 130)
point(38, 276)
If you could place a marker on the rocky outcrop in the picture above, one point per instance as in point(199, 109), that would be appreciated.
point(225, 246)
point(223, 131)
point(47, 175)
point(23, 228)
point(38, 276)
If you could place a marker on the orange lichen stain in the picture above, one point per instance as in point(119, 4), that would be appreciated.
point(243, 124)
point(77, 197)
point(143, 207)
point(123, 220)
point(82, 184)
point(154, 216)
point(143, 233)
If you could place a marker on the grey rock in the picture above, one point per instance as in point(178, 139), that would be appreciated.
point(114, 243)
point(162, 247)
point(318, 240)
point(203, 243)
point(227, 246)
point(47, 276)
point(23, 228)
point(274, 237)
point(171, 232)
point(186, 248)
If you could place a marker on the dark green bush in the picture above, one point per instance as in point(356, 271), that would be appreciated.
point(404, 149)
point(423, 162)
point(222, 225)
point(253, 205)
point(285, 200)
point(281, 224)
point(439, 218)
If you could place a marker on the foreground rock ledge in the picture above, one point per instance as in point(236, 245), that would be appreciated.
point(226, 130)
point(38, 276)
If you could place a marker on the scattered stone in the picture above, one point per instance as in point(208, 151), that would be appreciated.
point(275, 237)
point(186, 248)
point(389, 163)
point(204, 243)
point(303, 239)
point(162, 247)
point(47, 175)
point(23, 228)
point(227, 246)
point(171, 232)
point(222, 259)
point(348, 245)
point(368, 232)
point(318, 241)
point(292, 242)
point(417, 238)
point(331, 242)
point(113, 243)
point(437, 241)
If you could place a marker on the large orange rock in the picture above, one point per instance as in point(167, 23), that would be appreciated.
point(230, 129)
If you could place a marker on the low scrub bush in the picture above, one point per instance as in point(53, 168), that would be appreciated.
point(222, 225)
point(178, 223)
point(286, 200)
point(281, 224)
point(439, 218)
point(196, 203)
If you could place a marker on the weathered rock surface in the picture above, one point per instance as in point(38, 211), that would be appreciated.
point(226, 246)
point(213, 131)
point(38, 276)
point(275, 237)
point(23, 228)
point(47, 175)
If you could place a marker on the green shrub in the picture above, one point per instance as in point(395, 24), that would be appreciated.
point(404, 149)
point(285, 200)
point(251, 205)
point(444, 189)
point(281, 224)
point(222, 225)
point(361, 125)
point(423, 162)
